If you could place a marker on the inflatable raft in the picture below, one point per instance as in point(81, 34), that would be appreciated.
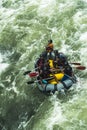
point(62, 82)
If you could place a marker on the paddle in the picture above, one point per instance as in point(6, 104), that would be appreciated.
point(75, 63)
point(31, 82)
point(33, 74)
point(26, 72)
point(47, 79)
point(80, 67)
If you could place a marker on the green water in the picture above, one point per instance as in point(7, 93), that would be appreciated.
point(25, 28)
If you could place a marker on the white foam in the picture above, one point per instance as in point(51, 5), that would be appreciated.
point(85, 0)
point(56, 116)
point(46, 7)
point(3, 66)
point(83, 37)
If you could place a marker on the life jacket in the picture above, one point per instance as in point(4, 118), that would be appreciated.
point(51, 64)
point(39, 62)
point(51, 55)
point(60, 60)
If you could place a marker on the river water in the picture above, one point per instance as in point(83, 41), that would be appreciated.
point(25, 28)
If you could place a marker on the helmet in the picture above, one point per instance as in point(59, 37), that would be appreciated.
point(50, 41)
point(41, 55)
point(50, 45)
point(62, 56)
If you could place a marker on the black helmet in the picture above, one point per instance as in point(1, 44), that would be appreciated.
point(50, 41)
point(41, 55)
point(62, 56)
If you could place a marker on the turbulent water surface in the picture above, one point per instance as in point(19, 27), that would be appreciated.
point(25, 28)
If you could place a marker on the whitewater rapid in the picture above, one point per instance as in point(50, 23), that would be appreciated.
point(25, 28)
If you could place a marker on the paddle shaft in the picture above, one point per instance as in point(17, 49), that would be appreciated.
point(47, 79)
point(80, 67)
point(75, 63)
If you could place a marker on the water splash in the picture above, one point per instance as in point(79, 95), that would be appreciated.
point(3, 66)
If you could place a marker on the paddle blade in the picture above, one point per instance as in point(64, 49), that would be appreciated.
point(27, 72)
point(30, 82)
point(75, 63)
point(81, 67)
point(33, 74)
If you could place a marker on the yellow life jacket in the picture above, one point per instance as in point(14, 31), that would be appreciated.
point(51, 63)
point(58, 76)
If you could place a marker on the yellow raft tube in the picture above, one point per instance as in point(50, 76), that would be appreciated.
point(57, 78)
